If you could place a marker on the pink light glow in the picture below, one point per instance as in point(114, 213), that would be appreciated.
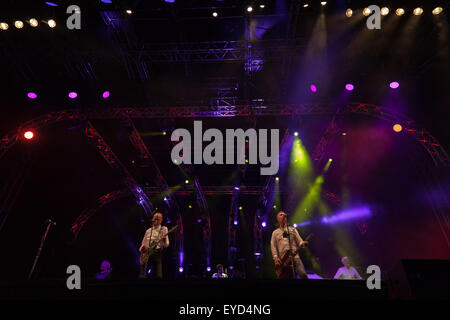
point(313, 88)
point(394, 85)
point(349, 87)
point(73, 95)
point(32, 95)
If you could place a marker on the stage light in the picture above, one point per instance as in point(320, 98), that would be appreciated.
point(73, 95)
point(437, 10)
point(240, 207)
point(263, 224)
point(129, 11)
point(295, 134)
point(274, 206)
point(235, 222)
point(249, 9)
point(330, 160)
point(170, 1)
point(257, 253)
point(215, 14)
point(199, 220)
point(186, 181)
point(51, 4)
point(106, 1)
point(208, 269)
point(51, 23)
point(349, 87)
point(18, 24)
point(236, 188)
point(366, 12)
point(418, 11)
point(313, 88)
point(397, 127)
point(33, 22)
point(262, 6)
point(106, 95)
point(28, 135)
point(164, 133)
point(305, 5)
point(180, 269)
point(384, 11)
point(394, 85)
point(277, 179)
point(349, 13)
point(4, 26)
point(344, 133)
point(190, 206)
point(400, 12)
point(294, 225)
point(231, 267)
point(32, 95)
point(323, 3)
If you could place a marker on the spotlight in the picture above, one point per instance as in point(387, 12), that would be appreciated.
point(366, 12)
point(32, 95)
point(418, 11)
point(180, 269)
point(323, 3)
point(51, 23)
point(394, 85)
point(294, 225)
point(240, 207)
point(313, 88)
point(349, 13)
point(262, 6)
point(263, 224)
point(18, 24)
point(4, 26)
point(397, 127)
point(208, 269)
point(164, 133)
point(215, 14)
point(400, 12)
point(349, 87)
point(295, 134)
point(235, 222)
point(51, 4)
point(106, 95)
point(186, 181)
point(305, 5)
point(274, 206)
point(33, 22)
point(344, 133)
point(384, 11)
point(236, 188)
point(28, 135)
point(277, 179)
point(249, 9)
point(330, 160)
point(190, 206)
point(199, 220)
point(73, 95)
point(129, 11)
point(437, 10)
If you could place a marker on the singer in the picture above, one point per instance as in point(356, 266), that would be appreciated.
point(285, 252)
point(154, 241)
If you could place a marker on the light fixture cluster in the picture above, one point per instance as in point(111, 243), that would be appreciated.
point(33, 22)
point(399, 11)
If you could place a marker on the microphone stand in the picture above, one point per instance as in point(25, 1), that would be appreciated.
point(38, 254)
point(290, 249)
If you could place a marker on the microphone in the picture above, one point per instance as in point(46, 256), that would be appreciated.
point(52, 222)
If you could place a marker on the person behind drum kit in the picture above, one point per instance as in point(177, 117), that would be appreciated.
point(280, 245)
point(220, 273)
point(154, 233)
point(347, 272)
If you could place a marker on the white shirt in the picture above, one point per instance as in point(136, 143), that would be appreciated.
point(347, 273)
point(155, 235)
point(220, 275)
point(282, 244)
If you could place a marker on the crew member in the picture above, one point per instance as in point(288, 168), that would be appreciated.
point(347, 272)
point(220, 273)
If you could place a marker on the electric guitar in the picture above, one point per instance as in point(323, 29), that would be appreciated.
point(283, 269)
point(147, 253)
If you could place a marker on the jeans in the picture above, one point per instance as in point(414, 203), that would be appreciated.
point(154, 264)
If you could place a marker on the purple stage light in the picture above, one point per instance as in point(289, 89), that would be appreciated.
point(235, 222)
point(32, 95)
point(73, 95)
point(51, 4)
point(349, 87)
point(106, 95)
point(257, 253)
point(180, 269)
point(199, 220)
point(263, 224)
point(313, 88)
point(236, 188)
point(394, 85)
point(231, 267)
point(170, 1)
point(208, 269)
point(348, 214)
point(106, 1)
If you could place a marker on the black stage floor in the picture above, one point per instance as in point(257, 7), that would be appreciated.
point(214, 290)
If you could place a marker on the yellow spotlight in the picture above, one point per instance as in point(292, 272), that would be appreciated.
point(397, 127)
point(18, 24)
point(323, 3)
point(418, 11)
point(215, 14)
point(4, 26)
point(262, 6)
point(366, 12)
point(51, 23)
point(129, 11)
point(384, 11)
point(249, 9)
point(400, 12)
point(33, 22)
point(305, 5)
point(349, 13)
point(437, 10)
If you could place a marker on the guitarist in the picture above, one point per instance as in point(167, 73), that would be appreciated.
point(280, 245)
point(153, 234)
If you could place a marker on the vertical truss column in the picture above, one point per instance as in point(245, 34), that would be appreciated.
point(330, 132)
point(111, 158)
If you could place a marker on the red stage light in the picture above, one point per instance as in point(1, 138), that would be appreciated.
point(28, 135)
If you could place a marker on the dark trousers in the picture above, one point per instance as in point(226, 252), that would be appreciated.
point(154, 264)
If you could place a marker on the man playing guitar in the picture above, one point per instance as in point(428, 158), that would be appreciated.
point(155, 233)
point(285, 252)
